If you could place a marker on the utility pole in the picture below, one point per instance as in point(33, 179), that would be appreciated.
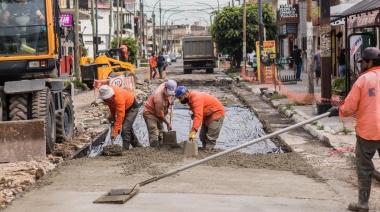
point(261, 32)
point(141, 43)
point(154, 33)
point(325, 30)
point(160, 49)
point(93, 27)
point(166, 41)
point(117, 24)
point(142, 29)
point(97, 27)
point(245, 37)
point(309, 33)
point(76, 43)
point(110, 25)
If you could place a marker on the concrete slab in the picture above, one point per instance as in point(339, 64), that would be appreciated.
point(82, 201)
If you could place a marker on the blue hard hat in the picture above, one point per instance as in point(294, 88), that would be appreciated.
point(180, 91)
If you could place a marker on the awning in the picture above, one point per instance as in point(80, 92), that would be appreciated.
point(359, 8)
point(337, 10)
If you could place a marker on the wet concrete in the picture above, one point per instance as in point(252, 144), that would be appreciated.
point(240, 126)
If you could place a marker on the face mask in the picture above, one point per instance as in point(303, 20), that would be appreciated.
point(184, 101)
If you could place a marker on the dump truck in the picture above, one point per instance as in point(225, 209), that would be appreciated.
point(36, 108)
point(198, 53)
point(105, 65)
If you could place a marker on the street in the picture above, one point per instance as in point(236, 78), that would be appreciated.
point(303, 178)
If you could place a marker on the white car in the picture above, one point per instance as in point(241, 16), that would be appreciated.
point(178, 55)
point(168, 60)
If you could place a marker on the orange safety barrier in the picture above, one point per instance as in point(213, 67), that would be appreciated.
point(126, 82)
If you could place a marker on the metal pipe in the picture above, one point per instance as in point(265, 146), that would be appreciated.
point(232, 149)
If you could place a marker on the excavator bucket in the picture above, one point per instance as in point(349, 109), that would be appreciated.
point(22, 140)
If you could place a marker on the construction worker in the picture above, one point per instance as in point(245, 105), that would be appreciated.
point(124, 108)
point(156, 109)
point(153, 65)
point(363, 100)
point(124, 53)
point(207, 111)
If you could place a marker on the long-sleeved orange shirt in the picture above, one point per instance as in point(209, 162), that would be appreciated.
point(152, 61)
point(364, 99)
point(157, 104)
point(122, 101)
point(205, 107)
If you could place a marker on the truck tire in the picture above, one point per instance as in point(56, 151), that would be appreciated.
point(187, 71)
point(65, 120)
point(43, 108)
point(209, 70)
point(18, 107)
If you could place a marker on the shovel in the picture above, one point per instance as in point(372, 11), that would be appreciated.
point(190, 147)
point(170, 137)
point(122, 195)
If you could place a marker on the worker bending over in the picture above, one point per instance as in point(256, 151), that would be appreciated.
point(207, 111)
point(124, 108)
point(155, 111)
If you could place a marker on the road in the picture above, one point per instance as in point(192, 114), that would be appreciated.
point(238, 182)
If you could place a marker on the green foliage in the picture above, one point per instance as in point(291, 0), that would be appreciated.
point(84, 51)
point(278, 96)
point(77, 84)
point(132, 47)
point(227, 29)
point(321, 127)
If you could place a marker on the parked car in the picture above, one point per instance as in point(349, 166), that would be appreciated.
point(178, 55)
point(168, 60)
point(172, 57)
point(224, 57)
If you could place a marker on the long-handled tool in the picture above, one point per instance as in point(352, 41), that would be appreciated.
point(122, 195)
point(170, 137)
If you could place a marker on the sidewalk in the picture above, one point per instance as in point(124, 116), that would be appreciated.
point(335, 132)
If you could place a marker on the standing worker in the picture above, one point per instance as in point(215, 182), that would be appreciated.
point(297, 56)
point(317, 61)
point(71, 61)
point(124, 53)
point(207, 111)
point(363, 100)
point(156, 109)
point(153, 66)
point(124, 108)
point(160, 64)
point(342, 63)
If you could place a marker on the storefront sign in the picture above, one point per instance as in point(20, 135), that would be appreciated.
point(288, 11)
point(355, 42)
point(364, 20)
point(269, 71)
point(66, 20)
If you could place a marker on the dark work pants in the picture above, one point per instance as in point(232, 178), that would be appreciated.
point(127, 130)
point(365, 150)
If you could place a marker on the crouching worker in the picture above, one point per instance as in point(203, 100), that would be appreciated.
point(207, 111)
point(124, 108)
point(155, 111)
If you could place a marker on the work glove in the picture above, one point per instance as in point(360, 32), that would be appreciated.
point(169, 127)
point(334, 111)
point(192, 135)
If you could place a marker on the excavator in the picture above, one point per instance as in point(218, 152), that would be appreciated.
point(36, 108)
point(106, 65)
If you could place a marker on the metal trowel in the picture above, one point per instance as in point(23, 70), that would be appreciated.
point(170, 137)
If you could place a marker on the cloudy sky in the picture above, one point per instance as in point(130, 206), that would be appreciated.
point(184, 11)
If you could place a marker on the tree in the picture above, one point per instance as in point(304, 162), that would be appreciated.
point(132, 47)
point(227, 30)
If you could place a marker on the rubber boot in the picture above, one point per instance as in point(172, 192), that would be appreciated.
point(364, 193)
point(154, 144)
point(126, 145)
point(135, 142)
